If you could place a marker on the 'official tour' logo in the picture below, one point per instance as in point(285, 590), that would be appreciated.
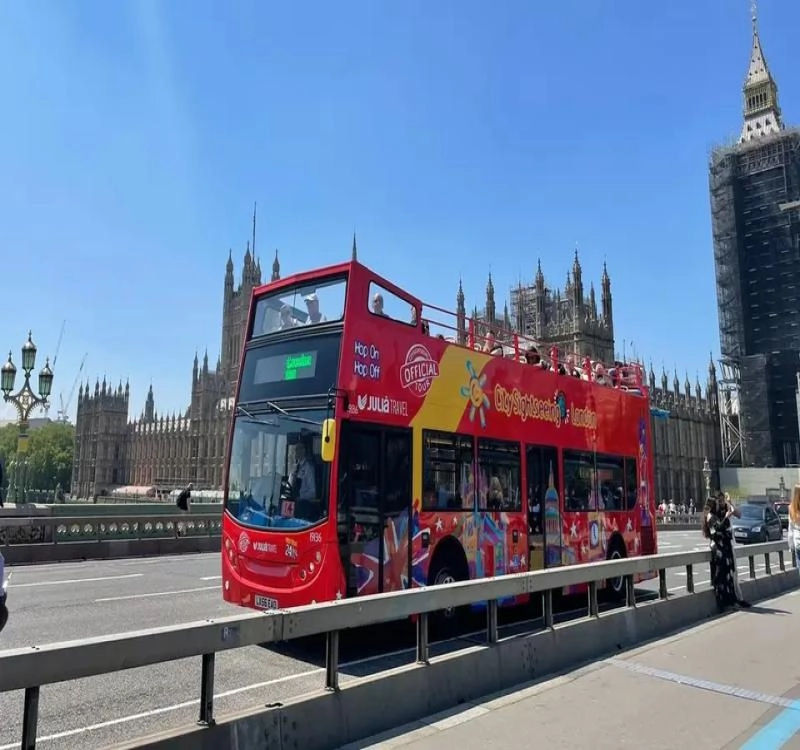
point(419, 370)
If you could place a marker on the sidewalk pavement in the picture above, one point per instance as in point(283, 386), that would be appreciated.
point(732, 682)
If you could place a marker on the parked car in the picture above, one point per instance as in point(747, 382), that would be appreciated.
point(782, 509)
point(759, 522)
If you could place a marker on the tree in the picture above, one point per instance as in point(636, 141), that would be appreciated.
point(49, 454)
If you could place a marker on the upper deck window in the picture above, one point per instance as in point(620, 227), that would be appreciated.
point(312, 303)
point(387, 304)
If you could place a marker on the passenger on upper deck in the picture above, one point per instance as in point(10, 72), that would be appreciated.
point(314, 315)
point(615, 373)
point(600, 374)
point(490, 344)
point(377, 305)
point(287, 321)
point(571, 367)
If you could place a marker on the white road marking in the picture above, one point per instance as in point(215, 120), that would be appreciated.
point(716, 687)
point(73, 580)
point(156, 593)
point(741, 568)
point(683, 588)
point(211, 578)
point(190, 557)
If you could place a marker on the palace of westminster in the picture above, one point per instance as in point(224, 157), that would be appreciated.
point(169, 451)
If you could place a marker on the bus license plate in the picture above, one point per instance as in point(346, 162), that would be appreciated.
point(266, 602)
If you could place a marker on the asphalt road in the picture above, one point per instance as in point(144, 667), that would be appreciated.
point(69, 601)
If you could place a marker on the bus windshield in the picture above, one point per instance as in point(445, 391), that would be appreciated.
point(312, 303)
point(277, 478)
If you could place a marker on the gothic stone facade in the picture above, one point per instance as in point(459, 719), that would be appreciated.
point(166, 451)
point(568, 319)
point(686, 438)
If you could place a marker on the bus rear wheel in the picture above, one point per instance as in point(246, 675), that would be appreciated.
point(445, 622)
point(445, 573)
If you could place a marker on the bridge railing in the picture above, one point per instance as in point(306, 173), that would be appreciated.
point(682, 519)
point(138, 526)
point(31, 667)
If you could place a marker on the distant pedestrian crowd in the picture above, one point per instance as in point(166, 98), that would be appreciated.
point(668, 512)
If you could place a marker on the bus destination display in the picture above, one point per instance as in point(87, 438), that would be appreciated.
point(284, 367)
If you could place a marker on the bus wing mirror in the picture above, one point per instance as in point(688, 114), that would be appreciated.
point(328, 440)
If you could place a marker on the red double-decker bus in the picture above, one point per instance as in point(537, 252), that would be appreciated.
point(379, 444)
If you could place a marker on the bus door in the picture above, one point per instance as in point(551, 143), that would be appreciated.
point(544, 507)
point(375, 508)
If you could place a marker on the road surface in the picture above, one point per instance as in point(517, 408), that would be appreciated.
point(68, 601)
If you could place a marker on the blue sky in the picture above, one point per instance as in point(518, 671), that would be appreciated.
point(455, 137)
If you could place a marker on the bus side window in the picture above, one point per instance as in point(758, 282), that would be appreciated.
point(499, 467)
point(579, 492)
point(542, 465)
point(610, 483)
point(446, 471)
point(386, 304)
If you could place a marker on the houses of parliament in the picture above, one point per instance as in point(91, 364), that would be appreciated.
point(167, 451)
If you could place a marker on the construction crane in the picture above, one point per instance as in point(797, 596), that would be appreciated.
point(62, 412)
point(46, 406)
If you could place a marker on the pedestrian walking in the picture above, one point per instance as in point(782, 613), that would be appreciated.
point(183, 498)
point(794, 523)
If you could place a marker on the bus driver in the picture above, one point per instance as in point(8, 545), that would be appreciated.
point(302, 478)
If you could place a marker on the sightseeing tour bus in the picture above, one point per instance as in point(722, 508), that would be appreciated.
point(379, 443)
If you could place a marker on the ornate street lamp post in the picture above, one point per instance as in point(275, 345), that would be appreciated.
point(707, 476)
point(25, 400)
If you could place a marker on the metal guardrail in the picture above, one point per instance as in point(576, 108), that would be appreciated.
point(64, 529)
point(31, 667)
point(684, 519)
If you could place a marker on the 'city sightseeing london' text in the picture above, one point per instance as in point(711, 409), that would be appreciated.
point(526, 406)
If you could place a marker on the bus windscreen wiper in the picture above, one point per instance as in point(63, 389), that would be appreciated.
point(256, 420)
point(275, 408)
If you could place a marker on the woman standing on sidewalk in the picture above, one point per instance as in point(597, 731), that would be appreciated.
point(716, 528)
point(794, 522)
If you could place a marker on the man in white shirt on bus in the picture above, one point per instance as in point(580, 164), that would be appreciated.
point(314, 315)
